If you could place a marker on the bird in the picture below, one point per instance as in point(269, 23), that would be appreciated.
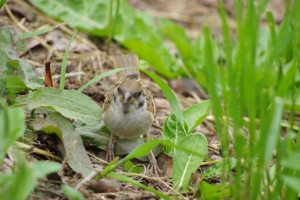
point(129, 109)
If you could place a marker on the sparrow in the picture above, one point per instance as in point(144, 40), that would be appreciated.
point(129, 109)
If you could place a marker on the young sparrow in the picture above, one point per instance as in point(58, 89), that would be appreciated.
point(129, 108)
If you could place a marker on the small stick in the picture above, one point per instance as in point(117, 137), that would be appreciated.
point(60, 172)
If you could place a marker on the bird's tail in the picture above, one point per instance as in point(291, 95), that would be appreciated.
point(126, 61)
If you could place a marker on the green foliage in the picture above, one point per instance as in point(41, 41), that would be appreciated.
point(193, 116)
point(212, 192)
point(10, 42)
point(78, 159)
point(129, 167)
point(196, 114)
point(186, 163)
point(217, 169)
point(19, 184)
point(12, 127)
point(68, 103)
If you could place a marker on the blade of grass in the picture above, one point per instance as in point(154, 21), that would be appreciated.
point(112, 24)
point(111, 72)
point(64, 64)
point(2, 2)
point(169, 95)
point(29, 35)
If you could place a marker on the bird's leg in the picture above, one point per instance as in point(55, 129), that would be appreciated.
point(154, 169)
point(110, 148)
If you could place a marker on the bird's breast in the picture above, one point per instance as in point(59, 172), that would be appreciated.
point(127, 122)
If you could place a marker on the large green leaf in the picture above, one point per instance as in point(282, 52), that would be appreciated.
point(186, 163)
point(195, 114)
point(78, 158)
point(26, 72)
point(69, 103)
point(173, 131)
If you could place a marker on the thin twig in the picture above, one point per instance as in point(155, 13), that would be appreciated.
point(60, 172)
point(210, 162)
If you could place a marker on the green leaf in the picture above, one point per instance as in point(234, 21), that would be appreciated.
point(41, 124)
point(2, 2)
point(87, 16)
point(64, 63)
point(212, 192)
point(29, 35)
point(78, 159)
point(14, 63)
point(195, 114)
point(15, 84)
point(129, 167)
point(26, 72)
point(292, 161)
point(186, 163)
point(71, 192)
point(133, 182)
point(12, 127)
point(24, 178)
point(173, 131)
point(69, 103)
point(291, 181)
point(217, 168)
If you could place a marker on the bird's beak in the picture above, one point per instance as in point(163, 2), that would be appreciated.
point(127, 97)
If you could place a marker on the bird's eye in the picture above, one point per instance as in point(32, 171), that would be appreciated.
point(120, 91)
point(137, 94)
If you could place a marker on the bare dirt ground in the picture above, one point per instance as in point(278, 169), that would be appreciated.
point(87, 59)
